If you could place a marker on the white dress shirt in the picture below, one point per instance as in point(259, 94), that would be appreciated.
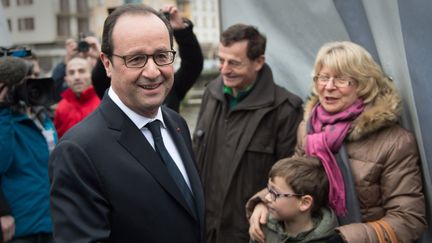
point(140, 121)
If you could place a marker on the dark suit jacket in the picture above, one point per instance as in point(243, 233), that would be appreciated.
point(109, 185)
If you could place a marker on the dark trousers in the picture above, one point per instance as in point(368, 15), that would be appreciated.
point(36, 238)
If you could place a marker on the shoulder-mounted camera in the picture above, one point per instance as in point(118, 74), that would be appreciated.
point(15, 72)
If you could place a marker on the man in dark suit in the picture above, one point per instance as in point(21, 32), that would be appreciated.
point(108, 182)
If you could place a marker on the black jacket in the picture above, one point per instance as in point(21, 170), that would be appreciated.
point(109, 184)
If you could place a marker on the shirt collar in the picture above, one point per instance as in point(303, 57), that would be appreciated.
point(139, 120)
point(240, 93)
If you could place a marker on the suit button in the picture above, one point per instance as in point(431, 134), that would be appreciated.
point(199, 133)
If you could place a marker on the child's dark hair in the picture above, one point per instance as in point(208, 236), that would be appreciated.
point(306, 176)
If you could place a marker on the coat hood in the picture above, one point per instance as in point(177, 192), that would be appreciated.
point(323, 229)
point(382, 111)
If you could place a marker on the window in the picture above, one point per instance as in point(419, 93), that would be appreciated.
point(6, 3)
point(24, 2)
point(64, 6)
point(213, 22)
point(10, 25)
point(204, 23)
point(83, 25)
point(9, 21)
point(63, 26)
point(25, 24)
point(82, 6)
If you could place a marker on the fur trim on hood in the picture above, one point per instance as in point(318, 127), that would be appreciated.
point(381, 112)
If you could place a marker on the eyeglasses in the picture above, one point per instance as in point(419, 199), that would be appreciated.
point(274, 194)
point(340, 82)
point(161, 58)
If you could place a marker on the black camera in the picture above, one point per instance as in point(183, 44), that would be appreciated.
point(83, 46)
point(167, 15)
point(34, 92)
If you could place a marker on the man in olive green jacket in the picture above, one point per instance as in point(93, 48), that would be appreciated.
point(246, 123)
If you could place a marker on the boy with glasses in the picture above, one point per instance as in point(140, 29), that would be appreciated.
point(297, 201)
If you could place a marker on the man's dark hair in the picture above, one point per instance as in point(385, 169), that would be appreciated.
point(130, 9)
point(256, 42)
point(306, 176)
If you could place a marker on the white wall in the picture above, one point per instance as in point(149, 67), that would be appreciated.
point(5, 40)
point(44, 14)
point(205, 16)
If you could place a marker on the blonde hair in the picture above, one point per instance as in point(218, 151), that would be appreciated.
point(349, 59)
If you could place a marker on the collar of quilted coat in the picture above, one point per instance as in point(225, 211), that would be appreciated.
point(380, 112)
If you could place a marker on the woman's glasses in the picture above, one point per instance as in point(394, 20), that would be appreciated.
point(340, 82)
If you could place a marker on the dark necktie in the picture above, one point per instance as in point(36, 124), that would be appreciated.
point(175, 173)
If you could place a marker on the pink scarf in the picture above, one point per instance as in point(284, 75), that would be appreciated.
point(325, 138)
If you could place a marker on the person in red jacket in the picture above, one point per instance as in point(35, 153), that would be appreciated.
point(79, 100)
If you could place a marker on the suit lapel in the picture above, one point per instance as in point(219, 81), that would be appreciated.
point(132, 139)
point(179, 137)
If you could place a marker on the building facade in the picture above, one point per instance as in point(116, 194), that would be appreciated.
point(44, 25)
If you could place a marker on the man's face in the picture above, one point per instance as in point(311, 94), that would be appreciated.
point(237, 70)
point(35, 69)
point(144, 89)
point(78, 75)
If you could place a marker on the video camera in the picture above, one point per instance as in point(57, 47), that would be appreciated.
point(34, 92)
point(14, 72)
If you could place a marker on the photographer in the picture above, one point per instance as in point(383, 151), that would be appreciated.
point(87, 47)
point(27, 136)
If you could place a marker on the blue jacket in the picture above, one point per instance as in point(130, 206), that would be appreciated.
point(24, 156)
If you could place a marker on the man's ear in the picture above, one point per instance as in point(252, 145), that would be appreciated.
point(107, 63)
point(259, 62)
point(306, 203)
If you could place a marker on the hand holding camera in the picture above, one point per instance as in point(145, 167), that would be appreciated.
point(89, 47)
point(174, 16)
point(83, 45)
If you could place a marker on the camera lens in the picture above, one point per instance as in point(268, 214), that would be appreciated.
point(83, 46)
point(167, 15)
point(35, 93)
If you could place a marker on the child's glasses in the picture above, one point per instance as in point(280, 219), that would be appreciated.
point(274, 194)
